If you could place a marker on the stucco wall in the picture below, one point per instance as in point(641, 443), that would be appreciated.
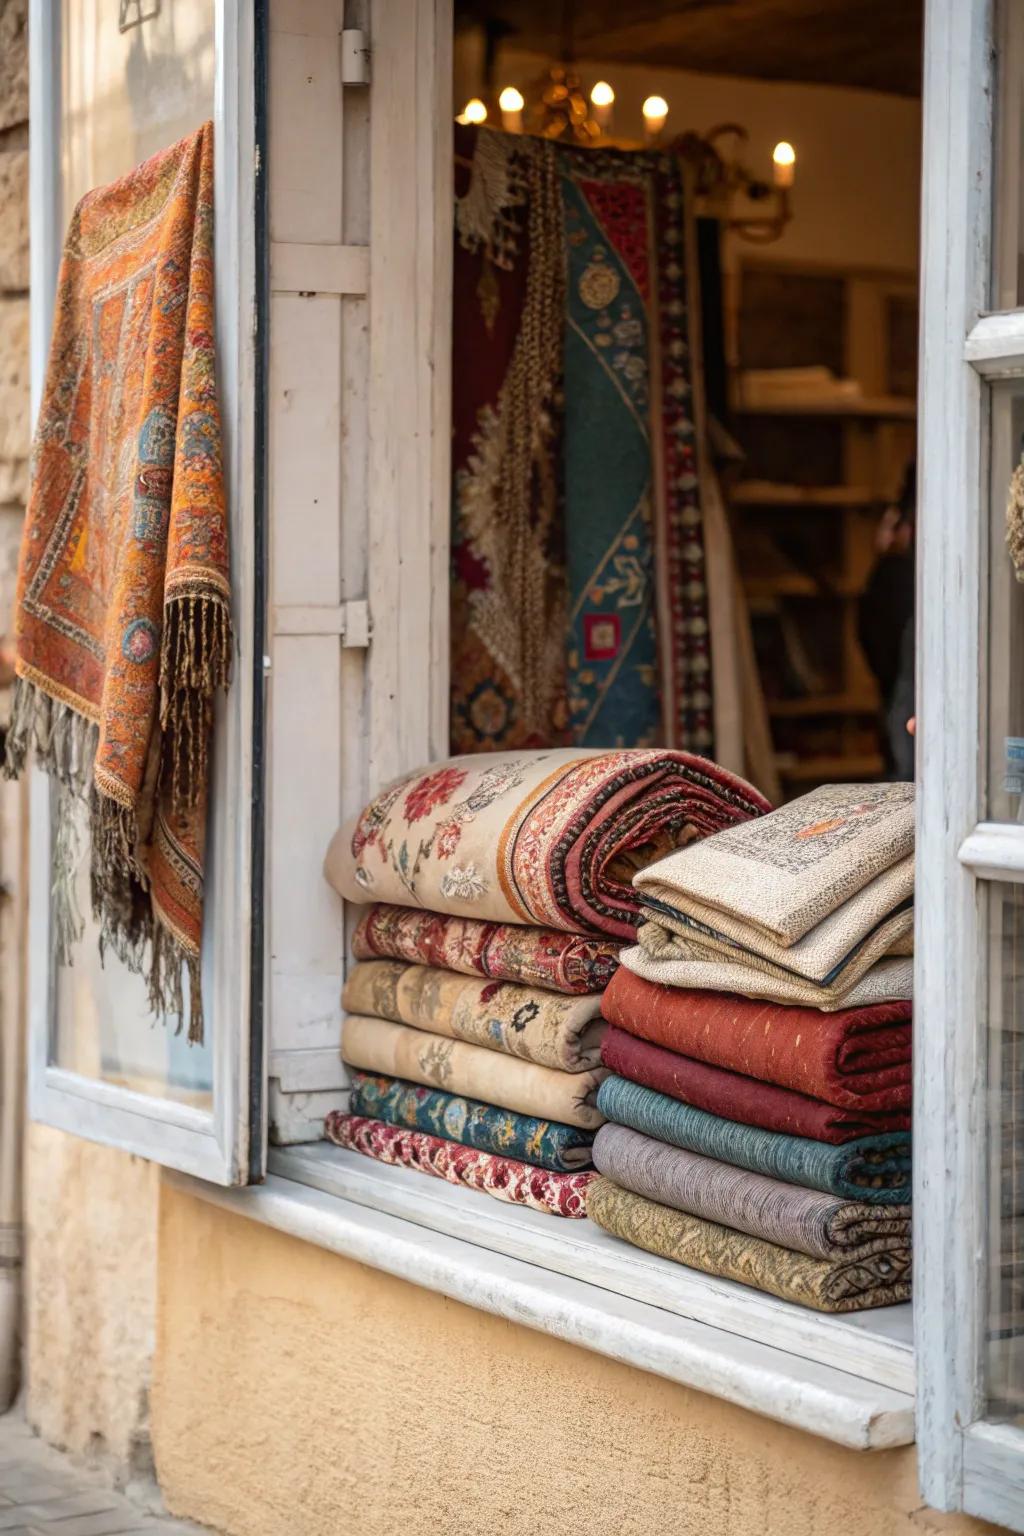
point(299, 1394)
point(90, 1299)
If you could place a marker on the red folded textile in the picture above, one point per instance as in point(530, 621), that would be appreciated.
point(857, 1058)
point(735, 1097)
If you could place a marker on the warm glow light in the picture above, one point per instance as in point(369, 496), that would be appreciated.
point(473, 112)
point(784, 154)
point(602, 95)
point(655, 109)
point(511, 100)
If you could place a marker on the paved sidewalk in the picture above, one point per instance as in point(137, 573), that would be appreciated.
point(42, 1493)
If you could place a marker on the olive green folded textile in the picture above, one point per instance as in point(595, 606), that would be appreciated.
point(545, 1027)
point(821, 1226)
point(875, 1168)
point(872, 1275)
point(396, 1050)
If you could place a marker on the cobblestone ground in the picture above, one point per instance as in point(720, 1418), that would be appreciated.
point(43, 1494)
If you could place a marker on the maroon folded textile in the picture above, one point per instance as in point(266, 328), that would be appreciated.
point(857, 1058)
point(736, 1097)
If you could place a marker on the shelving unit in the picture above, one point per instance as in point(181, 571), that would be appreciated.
point(819, 471)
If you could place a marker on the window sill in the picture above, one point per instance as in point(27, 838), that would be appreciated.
point(849, 1380)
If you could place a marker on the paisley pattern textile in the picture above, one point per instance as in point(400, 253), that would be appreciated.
point(545, 1027)
point(873, 1275)
point(123, 611)
point(395, 1050)
point(575, 452)
point(802, 1219)
point(858, 1058)
point(537, 957)
point(745, 1099)
point(556, 1194)
point(669, 960)
point(874, 1169)
point(545, 1143)
point(545, 838)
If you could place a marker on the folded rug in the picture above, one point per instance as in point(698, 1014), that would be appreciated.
point(836, 953)
point(786, 873)
point(545, 1143)
point(674, 961)
point(557, 1194)
point(740, 1098)
point(866, 1277)
point(123, 618)
point(801, 1219)
point(545, 1027)
point(396, 1050)
point(550, 838)
point(874, 1168)
point(538, 957)
point(856, 1057)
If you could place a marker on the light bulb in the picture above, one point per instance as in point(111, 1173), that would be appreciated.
point(602, 95)
point(511, 100)
point(655, 110)
point(784, 158)
point(473, 112)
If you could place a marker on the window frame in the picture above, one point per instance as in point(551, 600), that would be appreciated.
point(965, 1461)
point(224, 1145)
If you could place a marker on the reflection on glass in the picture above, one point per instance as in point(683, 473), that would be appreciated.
point(126, 95)
point(1005, 776)
point(1005, 1334)
point(1008, 203)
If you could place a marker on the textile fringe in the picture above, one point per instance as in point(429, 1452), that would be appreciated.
point(507, 475)
point(195, 660)
point(170, 964)
point(1015, 521)
point(497, 184)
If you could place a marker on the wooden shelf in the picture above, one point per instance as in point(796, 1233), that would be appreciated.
point(824, 770)
point(822, 704)
point(766, 493)
point(868, 408)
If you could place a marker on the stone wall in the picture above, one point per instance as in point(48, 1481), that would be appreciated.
point(14, 377)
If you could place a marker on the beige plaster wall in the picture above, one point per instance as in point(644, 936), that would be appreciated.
point(90, 1299)
point(299, 1394)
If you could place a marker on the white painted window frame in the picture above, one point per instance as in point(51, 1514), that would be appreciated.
point(215, 1146)
point(965, 1462)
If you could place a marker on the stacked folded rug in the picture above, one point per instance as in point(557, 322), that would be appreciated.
point(759, 1041)
point(502, 894)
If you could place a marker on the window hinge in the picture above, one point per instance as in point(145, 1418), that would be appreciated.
point(349, 620)
point(355, 57)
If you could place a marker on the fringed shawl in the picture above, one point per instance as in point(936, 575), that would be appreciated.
point(123, 617)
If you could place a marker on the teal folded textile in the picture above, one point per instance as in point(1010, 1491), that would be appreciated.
point(545, 1143)
point(875, 1169)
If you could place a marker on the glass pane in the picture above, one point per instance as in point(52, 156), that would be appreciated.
point(125, 95)
point(1005, 1334)
point(1008, 187)
point(1005, 776)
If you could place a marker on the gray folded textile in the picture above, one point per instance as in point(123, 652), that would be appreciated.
point(804, 1220)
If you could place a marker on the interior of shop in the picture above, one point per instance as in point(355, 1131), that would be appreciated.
point(712, 330)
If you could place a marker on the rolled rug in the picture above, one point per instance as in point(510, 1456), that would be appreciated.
point(858, 1058)
point(545, 1143)
point(671, 960)
point(557, 1194)
point(397, 1050)
point(850, 1282)
point(537, 957)
point(550, 838)
point(545, 1027)
point(787, 873)
point(744, 1099)
point(875, 1169)
point(804, 1220)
